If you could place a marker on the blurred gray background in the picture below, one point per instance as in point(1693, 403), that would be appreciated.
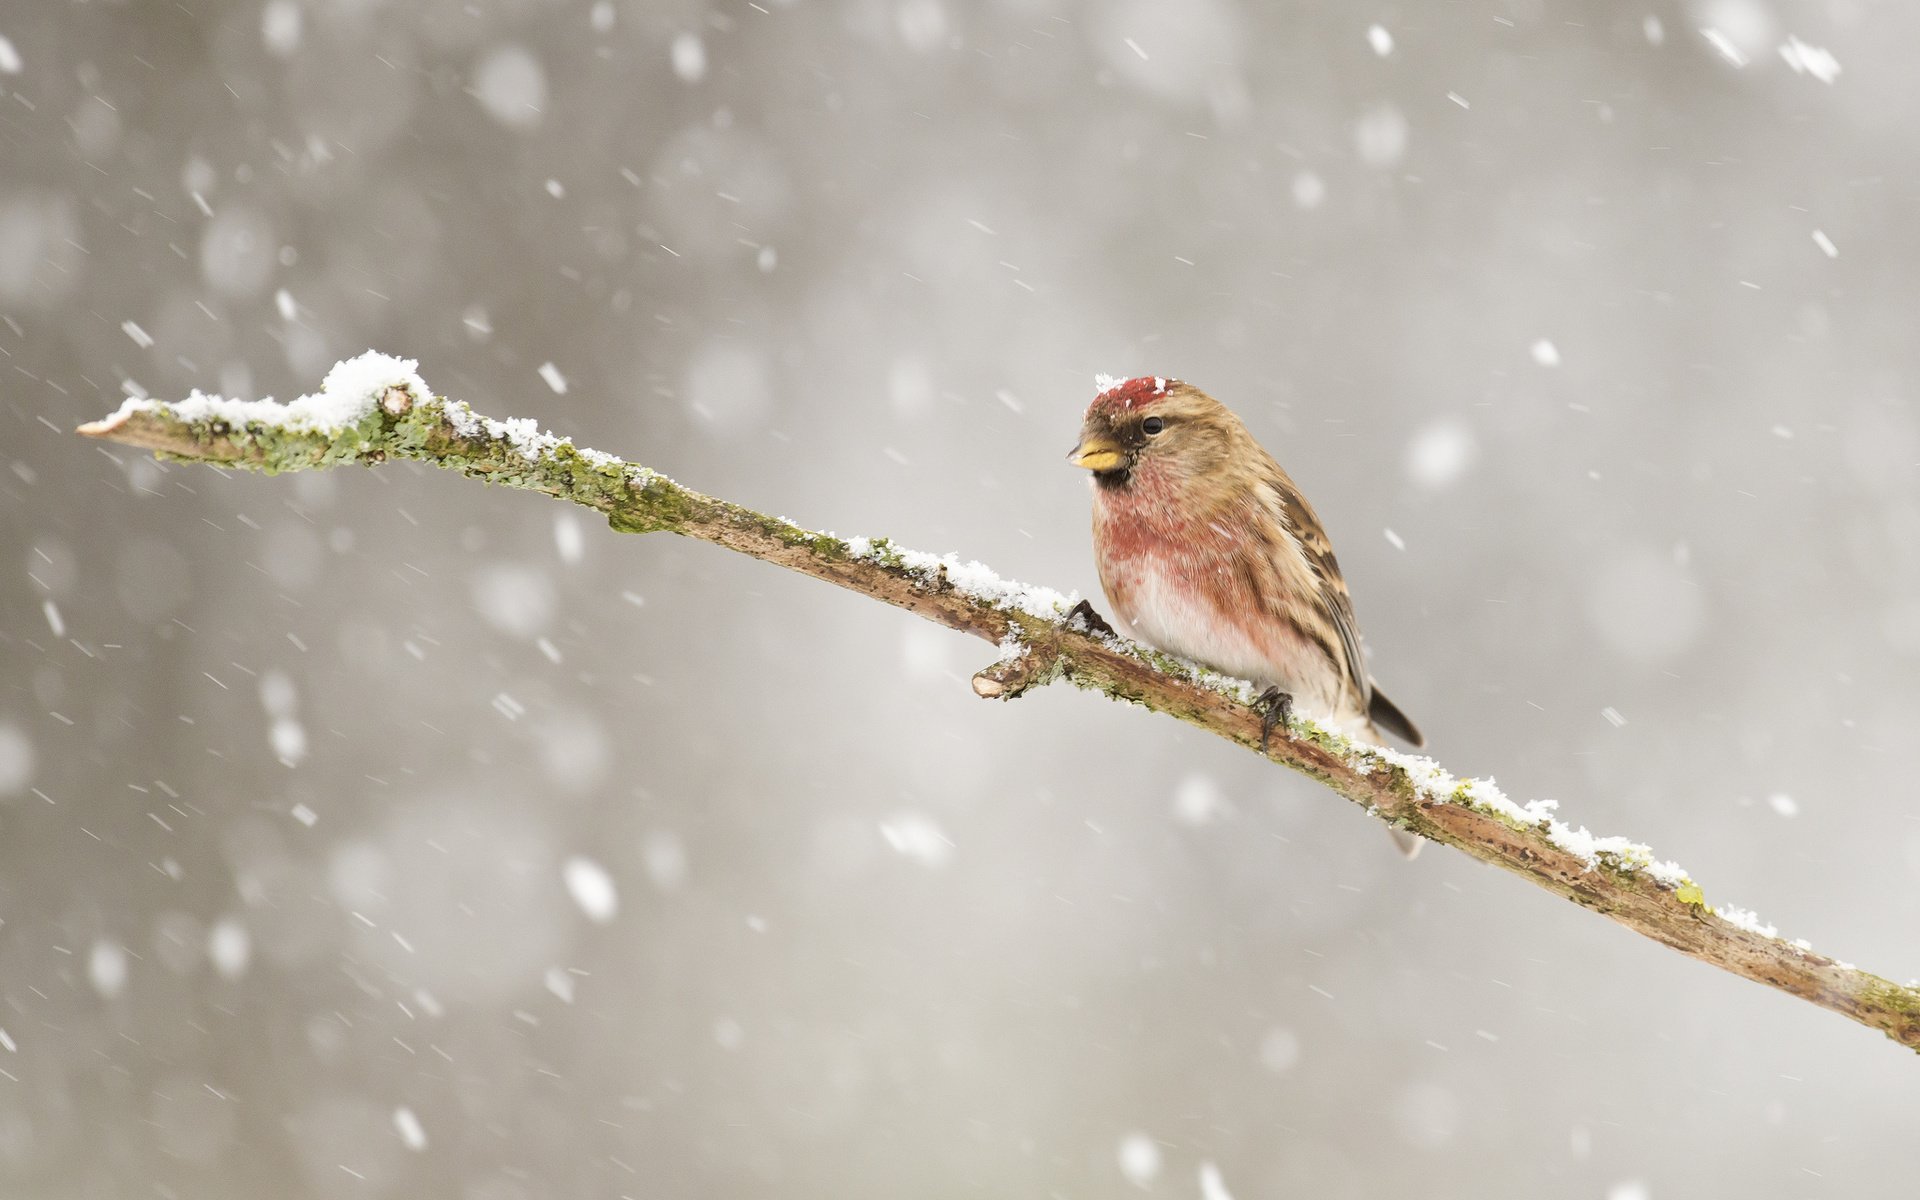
point(376, 834)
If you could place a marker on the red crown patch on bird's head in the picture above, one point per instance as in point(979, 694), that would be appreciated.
point(1128, 395)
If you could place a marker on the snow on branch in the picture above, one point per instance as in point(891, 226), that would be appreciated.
point(374, 408)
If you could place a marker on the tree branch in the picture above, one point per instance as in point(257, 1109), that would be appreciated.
point(375, 408)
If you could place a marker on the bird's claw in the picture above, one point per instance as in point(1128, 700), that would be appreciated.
point(1276, 708)
point(1095, 622)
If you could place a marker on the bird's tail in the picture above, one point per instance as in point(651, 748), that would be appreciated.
point(1387, 715)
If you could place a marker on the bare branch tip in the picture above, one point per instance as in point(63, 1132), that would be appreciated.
point(1022, 669)
point(988, 686)
point(104, 427)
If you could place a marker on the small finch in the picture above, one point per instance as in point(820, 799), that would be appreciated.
point(1207, 550)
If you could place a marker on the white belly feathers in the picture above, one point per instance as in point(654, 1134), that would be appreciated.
point(1162, 612)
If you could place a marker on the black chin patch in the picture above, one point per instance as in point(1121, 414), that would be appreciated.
point(1113, 481)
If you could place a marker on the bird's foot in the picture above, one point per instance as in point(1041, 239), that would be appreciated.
point(1095, 622)
point(1276, 708)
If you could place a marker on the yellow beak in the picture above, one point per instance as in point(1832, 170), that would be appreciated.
point(1096, 453)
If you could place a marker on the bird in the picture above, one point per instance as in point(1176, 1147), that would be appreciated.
point(1207, 550)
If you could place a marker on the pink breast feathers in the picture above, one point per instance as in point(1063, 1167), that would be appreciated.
point(1185, 588)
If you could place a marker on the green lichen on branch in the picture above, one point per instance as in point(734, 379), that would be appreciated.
point(1887, 995)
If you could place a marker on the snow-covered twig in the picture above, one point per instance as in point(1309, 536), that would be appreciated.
point(374, 408)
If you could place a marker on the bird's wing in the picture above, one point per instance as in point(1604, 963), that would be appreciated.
point(1333, 600)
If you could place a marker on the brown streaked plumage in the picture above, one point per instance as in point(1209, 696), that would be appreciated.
point(1207, 550)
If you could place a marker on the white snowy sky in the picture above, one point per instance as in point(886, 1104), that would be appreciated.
point(379, 833)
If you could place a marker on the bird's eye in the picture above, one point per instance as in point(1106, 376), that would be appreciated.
point(1153, 425)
